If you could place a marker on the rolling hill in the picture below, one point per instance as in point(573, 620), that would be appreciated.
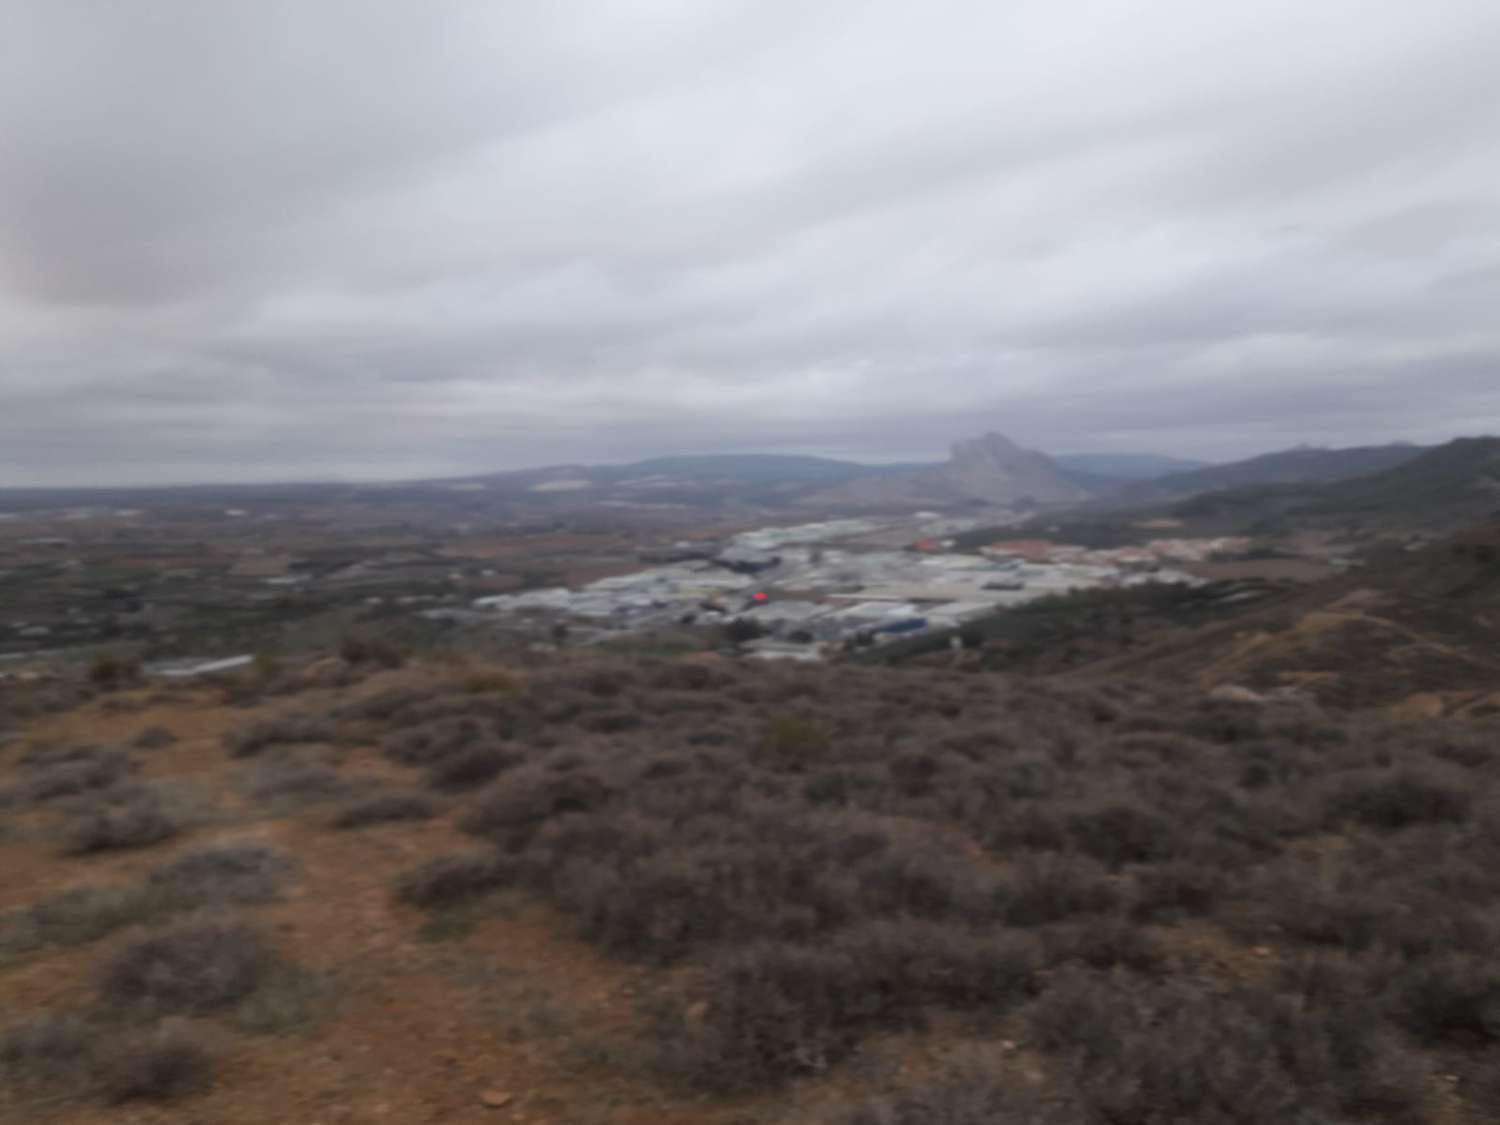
point(1438, 489)
point(1289, 466)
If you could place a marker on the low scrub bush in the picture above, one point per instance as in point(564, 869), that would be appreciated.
point(286, 784)
point(48, 1052)
point(1170, 892)
point(779, 1011)
point(279, 730)
point(162, 1064)
point(142, 819)
point(229, 874)
point(917, 965)
point(73, 917)
point(1389, 800)
point(1172, 1054)
point(470, 768)
point(224, 874)
point(154, 738)
point(973, 1089)
point(1119, 833)
point(194, 968)
point(454, 880)
point(1051, 887)
point(83, 770)
point(385, 809)
point(523, 800)
point(793, 742)
point(1449, 998)
point(1106, 943)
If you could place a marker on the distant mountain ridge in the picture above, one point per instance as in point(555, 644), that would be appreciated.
point(1440, 488)
point(990, 469)
point(1124, 467)
point(1288, 466)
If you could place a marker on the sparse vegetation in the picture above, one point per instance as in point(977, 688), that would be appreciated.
point(384, 809)
point(228, 874)
point(284, 783)
point(291, 728)
point(1139, 904)
point(58, 1057)
point(154, 738)
point(139, 818)
point(454, 880)
point(472, 767)
point(196, 967)
point(74, 770)
point(165, 1063)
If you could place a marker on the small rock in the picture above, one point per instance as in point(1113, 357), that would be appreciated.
point(496, 1099)
point(1262, 951)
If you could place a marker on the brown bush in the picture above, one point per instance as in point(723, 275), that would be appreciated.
point(195, 967)
point(519, 803)
point(49, 1052)
point(154, 738)
point(384, 809)
point(470, 768)
point(77, 770)
point(294, 727)
point(1172, 1054)
point(452, 880)
point(1390, 800)
point(139, 821)
point(161, 1064)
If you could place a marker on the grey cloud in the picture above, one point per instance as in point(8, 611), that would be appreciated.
point(306, 237)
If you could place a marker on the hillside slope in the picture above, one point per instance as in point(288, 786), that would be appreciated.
point(1420, 623)
point(588, 891)
point(1443, 489)
point(1290, 466)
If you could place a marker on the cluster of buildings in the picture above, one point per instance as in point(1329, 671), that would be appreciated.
point(799, 592)
point(1152, 555)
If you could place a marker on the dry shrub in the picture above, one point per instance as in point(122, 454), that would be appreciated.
point(972, 1087)
point(1051, 887)
point(154, 738)
point(287, 783)
point(223, 874)
point(1389, 800)
point(295, 727)
point(1169, 1053)
point(454, 880)
point(73, 917)
point(77, 771)
point(49, 1051)
point(384, 809)
point(472, 767)
point(779, 1011)
point(228, 874)
point(1449, 998)
point(793, 742)
point(161, 1064)
point(521, 801)
point(195, 967)
point(141, 818)
point(60, 1056)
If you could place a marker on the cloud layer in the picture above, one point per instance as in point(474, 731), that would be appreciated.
point(309, 238)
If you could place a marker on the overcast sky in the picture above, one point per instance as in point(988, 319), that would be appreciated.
point(386, 238)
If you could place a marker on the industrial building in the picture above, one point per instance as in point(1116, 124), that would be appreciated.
point(808, 592)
